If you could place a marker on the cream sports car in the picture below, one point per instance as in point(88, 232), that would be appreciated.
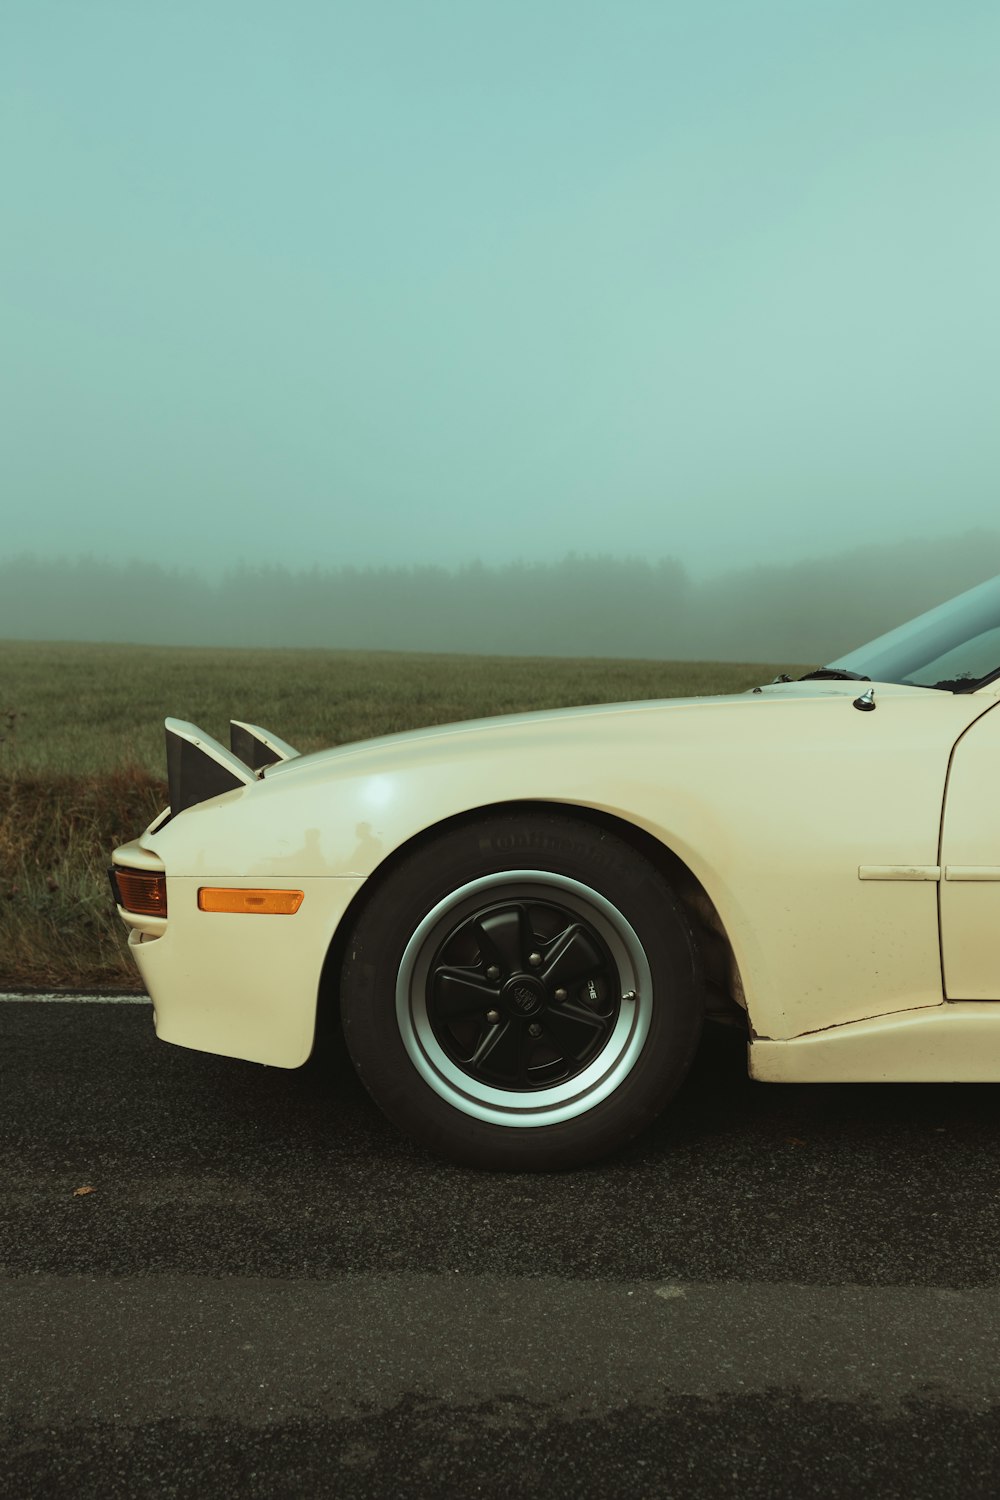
point(526, 919)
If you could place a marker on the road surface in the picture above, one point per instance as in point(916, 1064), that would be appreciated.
point(268, 1292)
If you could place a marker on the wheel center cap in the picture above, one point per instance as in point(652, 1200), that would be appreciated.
point(523, 995)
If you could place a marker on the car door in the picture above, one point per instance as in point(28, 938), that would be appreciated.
point(970, 865)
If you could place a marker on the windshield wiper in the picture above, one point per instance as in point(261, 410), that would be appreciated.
point(952, 684)
point(834, 674)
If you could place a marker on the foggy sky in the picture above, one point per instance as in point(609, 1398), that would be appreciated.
point(418, 281)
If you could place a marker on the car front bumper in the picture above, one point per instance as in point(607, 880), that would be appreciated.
point(238, 984)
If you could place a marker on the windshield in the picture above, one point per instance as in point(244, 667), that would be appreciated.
point(954, 647)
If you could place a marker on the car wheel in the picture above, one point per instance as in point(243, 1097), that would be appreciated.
point(522, 993)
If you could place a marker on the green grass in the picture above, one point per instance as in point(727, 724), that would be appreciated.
point(82, 756)
point(91, 709)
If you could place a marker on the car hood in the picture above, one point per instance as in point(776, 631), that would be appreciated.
point(548, 725)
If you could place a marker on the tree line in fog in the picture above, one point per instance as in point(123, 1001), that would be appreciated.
point(807, 612)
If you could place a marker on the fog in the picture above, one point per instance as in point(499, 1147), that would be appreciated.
point(387, 286)
point(809, 612)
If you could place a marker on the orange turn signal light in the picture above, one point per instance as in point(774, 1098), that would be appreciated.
point(143, 892)
point(224, 898)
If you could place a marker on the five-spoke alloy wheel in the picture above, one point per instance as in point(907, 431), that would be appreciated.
point(523, 992)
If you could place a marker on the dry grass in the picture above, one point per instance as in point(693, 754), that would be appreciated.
point(81, 755)
point(58, 926)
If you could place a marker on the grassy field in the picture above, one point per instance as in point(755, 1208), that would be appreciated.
point(80, 709)
point(82, 755)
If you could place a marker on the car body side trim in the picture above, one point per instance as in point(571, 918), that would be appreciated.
point(957, 1042)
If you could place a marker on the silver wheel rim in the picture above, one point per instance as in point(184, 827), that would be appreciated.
point(539, 1106)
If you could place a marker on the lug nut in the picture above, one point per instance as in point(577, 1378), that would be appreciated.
point(534, 959)
point(493, 1017)
point(560, 994)
point(492, 972)
point(534, 1029)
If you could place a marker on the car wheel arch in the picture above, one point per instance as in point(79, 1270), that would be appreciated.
point(725, 996)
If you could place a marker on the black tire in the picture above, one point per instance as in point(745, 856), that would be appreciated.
point(523, 993)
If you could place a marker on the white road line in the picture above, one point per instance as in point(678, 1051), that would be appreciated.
point(56, 998)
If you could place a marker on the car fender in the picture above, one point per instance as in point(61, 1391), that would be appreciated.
point(775, 803)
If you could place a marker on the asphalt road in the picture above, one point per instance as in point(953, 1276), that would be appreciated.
point(268, 1292)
